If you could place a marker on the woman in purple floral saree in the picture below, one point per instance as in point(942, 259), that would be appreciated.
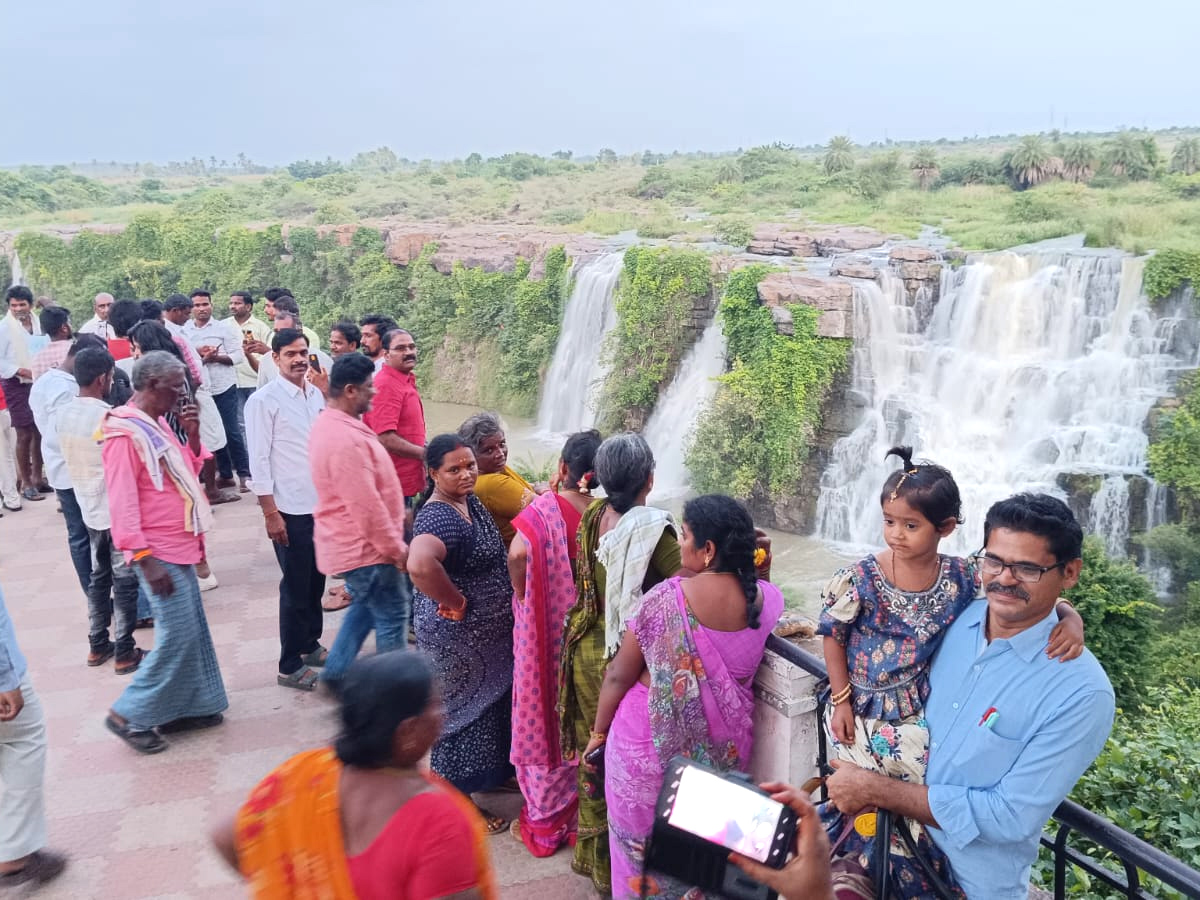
point(682, 682)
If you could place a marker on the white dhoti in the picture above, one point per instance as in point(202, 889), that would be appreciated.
point(22, 774)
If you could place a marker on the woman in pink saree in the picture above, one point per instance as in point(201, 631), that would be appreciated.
point(541, 562)
point(682, 682)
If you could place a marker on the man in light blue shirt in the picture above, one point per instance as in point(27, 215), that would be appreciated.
point(1010, 729)
point(22, 771)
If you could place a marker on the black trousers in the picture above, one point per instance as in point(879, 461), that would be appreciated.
point(301, 618)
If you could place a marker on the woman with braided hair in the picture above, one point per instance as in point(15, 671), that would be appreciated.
point(682, 681)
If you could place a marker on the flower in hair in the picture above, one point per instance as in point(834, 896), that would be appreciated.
point(760, 557)
point(582, 485)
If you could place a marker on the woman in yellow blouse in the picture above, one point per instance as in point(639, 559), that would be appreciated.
point(500, 488)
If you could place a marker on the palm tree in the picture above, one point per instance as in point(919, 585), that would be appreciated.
point(729, 172)
point(925, 167)
point(1029, 163)
point(839, 155)
point(1079, 161)
point(1127, 156)
point(1185, 158)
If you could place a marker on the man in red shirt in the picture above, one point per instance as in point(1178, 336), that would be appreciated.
point(396, 414)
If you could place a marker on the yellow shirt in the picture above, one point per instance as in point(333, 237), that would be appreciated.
point(505, 494)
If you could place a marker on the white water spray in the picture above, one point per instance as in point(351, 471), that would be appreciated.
point(670, 428)
point(18, 274)
point(571, 393)
point(1033, 367)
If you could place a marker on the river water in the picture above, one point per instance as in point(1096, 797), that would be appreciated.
point(802, 565)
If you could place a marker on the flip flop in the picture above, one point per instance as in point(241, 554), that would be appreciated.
point(303, 679)
point(317, 658)
point(223, 497)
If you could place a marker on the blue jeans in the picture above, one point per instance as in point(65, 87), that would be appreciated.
point(232, 457)
point(78, 541)
point(382, 596)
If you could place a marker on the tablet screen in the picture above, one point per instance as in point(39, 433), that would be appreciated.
point(724, 813)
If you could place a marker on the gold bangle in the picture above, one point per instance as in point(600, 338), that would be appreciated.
point(599, 736)
point(841, 696)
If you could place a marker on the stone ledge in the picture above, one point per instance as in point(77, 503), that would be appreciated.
point(834, 299)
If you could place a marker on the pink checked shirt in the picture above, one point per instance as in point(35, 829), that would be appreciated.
point(359, 516)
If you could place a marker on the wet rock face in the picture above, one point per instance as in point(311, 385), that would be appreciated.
point(921, 270)
point(834, 298)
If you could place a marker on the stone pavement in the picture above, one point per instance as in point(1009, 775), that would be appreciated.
point(137, 826)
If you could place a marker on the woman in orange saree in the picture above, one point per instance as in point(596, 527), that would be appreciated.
point(360, 820)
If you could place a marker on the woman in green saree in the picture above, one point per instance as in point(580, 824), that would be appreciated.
point(625, 548)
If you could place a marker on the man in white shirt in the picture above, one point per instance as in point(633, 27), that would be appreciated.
point(220, 349)
point(98, 323)
point(20, 339)
point(251, 328)
point(113, 589)
point(279, 417)
point(49, 394)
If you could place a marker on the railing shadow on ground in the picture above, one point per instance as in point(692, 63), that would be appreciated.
point(1133, 854)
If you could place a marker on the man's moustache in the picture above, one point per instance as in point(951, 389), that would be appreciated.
point(1014, 591)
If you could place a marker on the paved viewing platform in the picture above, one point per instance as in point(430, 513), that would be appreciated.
point(137, 826)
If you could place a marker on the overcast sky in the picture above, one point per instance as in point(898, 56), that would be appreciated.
point(152, 81)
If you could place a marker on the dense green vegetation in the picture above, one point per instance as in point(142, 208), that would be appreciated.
point(1147, 780)
point(754, 440)
point(1133, 189)
point(196, 246)
point(658, 291)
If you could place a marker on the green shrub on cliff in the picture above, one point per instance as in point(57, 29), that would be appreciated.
point(656, 299)
point(1170, 270)
point(754, 440)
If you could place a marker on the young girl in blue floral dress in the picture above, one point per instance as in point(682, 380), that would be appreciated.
point(882, 619)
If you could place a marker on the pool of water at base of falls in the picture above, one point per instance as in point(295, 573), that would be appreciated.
point(802, 564)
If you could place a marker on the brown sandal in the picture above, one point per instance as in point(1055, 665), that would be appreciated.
point(129, 664)
point(493, 823)
point(339, 598)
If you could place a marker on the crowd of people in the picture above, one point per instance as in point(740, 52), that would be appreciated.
point(570, 639)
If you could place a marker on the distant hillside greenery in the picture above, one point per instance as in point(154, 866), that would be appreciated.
point(1132, 189)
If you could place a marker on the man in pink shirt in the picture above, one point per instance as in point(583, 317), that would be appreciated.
point(358, 518)
point(158, 518)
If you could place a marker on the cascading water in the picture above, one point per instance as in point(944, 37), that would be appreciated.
point(670, 427)
point(569, 399)
point(18, 274)
point(1033, 368)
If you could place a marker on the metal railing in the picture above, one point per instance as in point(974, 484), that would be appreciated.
point(1134, 855)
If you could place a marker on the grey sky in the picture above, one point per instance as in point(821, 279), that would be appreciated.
point(126, 80)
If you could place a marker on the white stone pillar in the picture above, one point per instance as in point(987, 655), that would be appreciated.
point(785, 722)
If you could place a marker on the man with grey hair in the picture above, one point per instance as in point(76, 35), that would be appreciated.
point(98, 323)
point(159, 514)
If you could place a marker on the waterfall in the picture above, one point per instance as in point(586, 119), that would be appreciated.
point(569, 399)
point(670, 427)
point(1034, 367)
point(18, 274)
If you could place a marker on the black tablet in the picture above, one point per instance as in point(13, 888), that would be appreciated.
point(702, 815)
